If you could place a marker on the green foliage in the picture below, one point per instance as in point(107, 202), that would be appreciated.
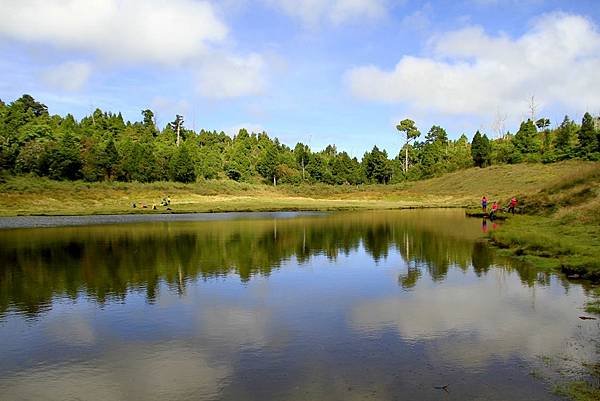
point(65, 161)
point(182, 167)
point(433, 153)
point(504, 151)
point(481, 150)
point(33, 158)
point(411, 133)
point(526, 140)
point(104, 147)
point(588, 137)
point(268, 162)
point(565, 140)
point(209, 163)
point(377, 166)
point(318, 169)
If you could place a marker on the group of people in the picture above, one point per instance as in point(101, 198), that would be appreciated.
point(166, 201)
point(512, 204)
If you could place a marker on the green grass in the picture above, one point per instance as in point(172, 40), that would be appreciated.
point(562, 228)
point(579, 391)
point(593, 305)
point(40, 196)
point(546, 242)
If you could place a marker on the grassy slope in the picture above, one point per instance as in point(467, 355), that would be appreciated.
point(29, 195)
point(562, 225)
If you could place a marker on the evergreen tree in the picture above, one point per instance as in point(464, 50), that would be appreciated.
point(267, 165)
point(210, 163)
point(480, 150)
point(377, 166)
point(65, 161)
point(434, 152)
point(565, 139)
point(318, 169)
point(109, 159)
point(526, 140)
point(588, 137)
point(182, 167)
point(411, 133)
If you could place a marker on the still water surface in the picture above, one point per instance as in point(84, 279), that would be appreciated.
point(374, 305)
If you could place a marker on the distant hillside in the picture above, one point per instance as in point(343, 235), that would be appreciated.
point(504, 181)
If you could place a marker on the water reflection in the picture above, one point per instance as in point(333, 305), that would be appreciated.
point(374, 305)
point(107, 261)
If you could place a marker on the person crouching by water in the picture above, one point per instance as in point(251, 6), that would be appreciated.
point(484, 204)
point(494, 211)
point(512, 204)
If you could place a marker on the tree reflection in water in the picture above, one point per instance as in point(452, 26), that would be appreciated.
point(105, 262)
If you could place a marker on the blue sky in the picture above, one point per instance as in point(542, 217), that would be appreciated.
point(316, 71)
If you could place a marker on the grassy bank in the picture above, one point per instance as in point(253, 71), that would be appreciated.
point(37, 196)
point(561, 225)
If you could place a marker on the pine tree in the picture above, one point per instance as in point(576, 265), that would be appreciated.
point(565, 139)
point(588, 139)
point(526, 140)
point(182, 166)
point(481, 150)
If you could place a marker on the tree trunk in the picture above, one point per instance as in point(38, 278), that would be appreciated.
point(274, 181)
point(178, 134)
point(406, 157)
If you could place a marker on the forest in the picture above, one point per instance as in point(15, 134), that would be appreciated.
point(105, 147)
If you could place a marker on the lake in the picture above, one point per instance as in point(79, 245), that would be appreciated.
point(382, 305)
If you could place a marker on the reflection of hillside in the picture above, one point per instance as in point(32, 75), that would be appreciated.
point(107, 261)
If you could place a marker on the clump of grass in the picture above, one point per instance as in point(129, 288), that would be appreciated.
point(593, 306)
point(578, 391)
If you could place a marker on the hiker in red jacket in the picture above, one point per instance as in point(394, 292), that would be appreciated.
point(494, 210)
point(512, 204)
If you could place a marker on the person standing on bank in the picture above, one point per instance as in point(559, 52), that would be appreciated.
point(494, 211)
point(512, 204)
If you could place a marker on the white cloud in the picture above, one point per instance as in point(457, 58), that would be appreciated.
point(471, 72)
point(148, 371)
point(70, 76)
point(311, 12)
point(419, 20)
point(500, 316)
point(228, 76)
point(117, 30)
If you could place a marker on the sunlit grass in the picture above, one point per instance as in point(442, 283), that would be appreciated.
point(34, 195)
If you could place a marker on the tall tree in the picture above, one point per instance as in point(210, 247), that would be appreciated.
point(411, 133)
point(588, 140)
point(526, 140)
point(148, 121)
point(176, 126)
point(565, 139)
point(302, 153)
point(543, 124)
point(377, 166)
point(182, 166)
point(480, 150)
point(267, 165)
